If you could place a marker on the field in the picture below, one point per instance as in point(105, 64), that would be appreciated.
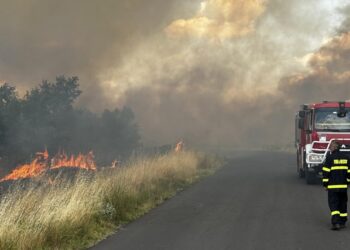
point(74, 213)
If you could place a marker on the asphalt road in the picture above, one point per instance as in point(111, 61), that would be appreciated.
point(255, 202)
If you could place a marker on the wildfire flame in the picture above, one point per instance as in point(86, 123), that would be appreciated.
point(81, 161)
point(41, 164)
point(35, 168)
point(179, 146)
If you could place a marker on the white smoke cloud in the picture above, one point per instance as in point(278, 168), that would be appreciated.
point(209, 72)
point(221, 91)
point(219, 19)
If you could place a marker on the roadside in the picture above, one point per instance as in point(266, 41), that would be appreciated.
point(74, 214)
point(257, 201)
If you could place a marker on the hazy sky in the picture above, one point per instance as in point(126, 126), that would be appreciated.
point(214, 72)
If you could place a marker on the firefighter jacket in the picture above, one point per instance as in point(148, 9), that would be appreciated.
point(336, 172)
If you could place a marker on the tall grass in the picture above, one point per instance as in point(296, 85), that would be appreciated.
point(73, 214)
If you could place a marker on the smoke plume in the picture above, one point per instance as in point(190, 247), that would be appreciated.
point(220, 19)
point(214, 72)
point(329, 74)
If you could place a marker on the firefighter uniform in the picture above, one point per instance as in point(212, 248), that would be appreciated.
point(336, 177)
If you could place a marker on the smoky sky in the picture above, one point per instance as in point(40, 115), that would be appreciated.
point(42, 39)
point(215, 72)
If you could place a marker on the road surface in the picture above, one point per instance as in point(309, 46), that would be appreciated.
point(255, 202)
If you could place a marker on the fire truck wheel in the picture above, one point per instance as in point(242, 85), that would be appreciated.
point(301, 173)
point(300, 167)
point(310, 177)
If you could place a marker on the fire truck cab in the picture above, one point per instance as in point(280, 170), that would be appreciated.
point(316, 126)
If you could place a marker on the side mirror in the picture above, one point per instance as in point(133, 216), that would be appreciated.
point(342, 111)
point(301, 123)
point(302, 114)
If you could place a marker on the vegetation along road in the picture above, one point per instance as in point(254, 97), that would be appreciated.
point(255, 202)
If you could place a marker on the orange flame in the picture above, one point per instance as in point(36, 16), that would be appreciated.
point(81, 161)
point(179, 146)
point(41, 164)
point(35, 168)
point(115, 164)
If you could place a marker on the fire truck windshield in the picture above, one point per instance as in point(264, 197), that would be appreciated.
point(327, 119)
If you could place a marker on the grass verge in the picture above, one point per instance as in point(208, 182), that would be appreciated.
point(75, 214)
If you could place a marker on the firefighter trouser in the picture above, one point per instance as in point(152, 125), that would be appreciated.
point(337, 202)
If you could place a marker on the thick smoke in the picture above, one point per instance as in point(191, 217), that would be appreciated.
point(225, 91)
point(329, 76)
point(42, 39)
point(220, 19)
point(208, 72)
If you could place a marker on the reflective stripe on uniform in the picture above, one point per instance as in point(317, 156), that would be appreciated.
point(339, 168)
point(348, 180)
point(337, 186)
point(326, 169)
point(325, 180)
point(341, 161)
point(335, 213)
point(340, 214)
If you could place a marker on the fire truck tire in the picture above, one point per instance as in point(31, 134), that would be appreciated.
point(310, 178)
point(301, 173)
point(300, 167)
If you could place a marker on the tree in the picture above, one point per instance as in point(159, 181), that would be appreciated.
point(46, 113)
point(46, 117)
point(9, 115)
point(8, 95)
point(51, 98)
point(119, 131)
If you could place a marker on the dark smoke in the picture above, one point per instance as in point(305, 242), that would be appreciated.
point(42, 39)
point(218, 90)
point(229, 93)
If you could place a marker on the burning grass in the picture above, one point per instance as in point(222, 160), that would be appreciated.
point(73, 214)
point(42, 164)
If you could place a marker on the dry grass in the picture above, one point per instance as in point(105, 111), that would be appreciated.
point(75, 214)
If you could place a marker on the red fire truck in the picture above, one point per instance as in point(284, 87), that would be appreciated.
point(316, 126)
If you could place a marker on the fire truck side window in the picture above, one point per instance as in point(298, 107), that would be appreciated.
point(297, 133)
point(309, 115)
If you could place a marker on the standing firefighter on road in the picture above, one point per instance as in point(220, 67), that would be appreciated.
point(336, 177)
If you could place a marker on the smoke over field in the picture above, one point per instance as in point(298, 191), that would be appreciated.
point(213, 72)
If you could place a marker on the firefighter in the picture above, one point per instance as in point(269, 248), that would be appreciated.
point(336, 178)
